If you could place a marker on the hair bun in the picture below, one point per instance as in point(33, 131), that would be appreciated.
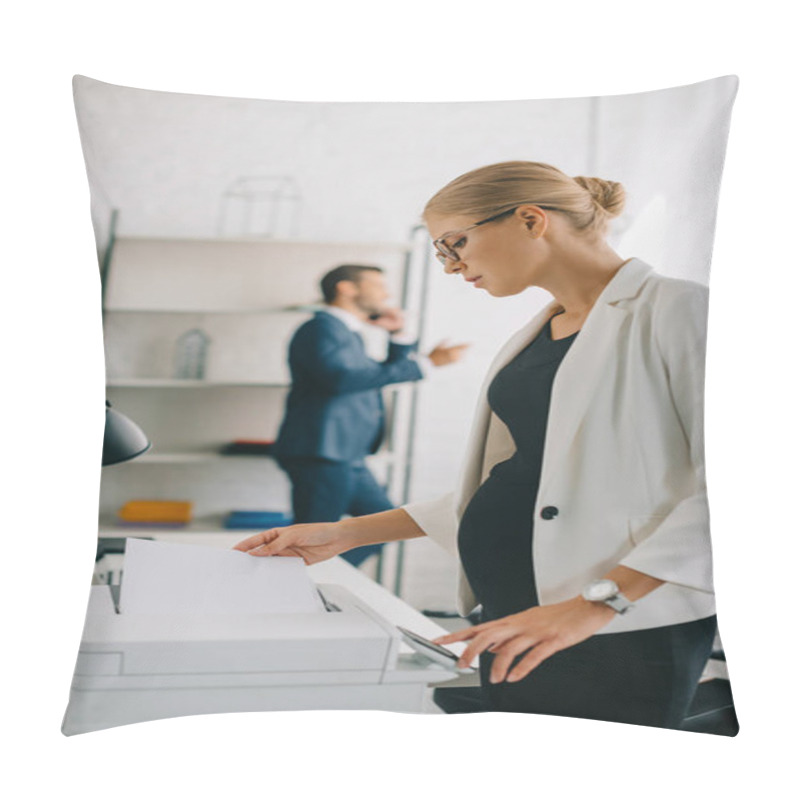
point(609, 195)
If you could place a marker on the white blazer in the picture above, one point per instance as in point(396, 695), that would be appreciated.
point(623, 459)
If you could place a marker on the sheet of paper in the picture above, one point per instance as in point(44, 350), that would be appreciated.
point(166, 578)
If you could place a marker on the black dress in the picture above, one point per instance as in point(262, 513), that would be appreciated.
point(646, 677)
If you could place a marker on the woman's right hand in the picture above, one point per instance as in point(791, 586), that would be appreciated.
point(313, 542)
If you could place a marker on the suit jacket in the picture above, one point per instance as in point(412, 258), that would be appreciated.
point(623, 461)
point(334, 409)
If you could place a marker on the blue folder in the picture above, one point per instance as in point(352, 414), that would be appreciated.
point(257, 519)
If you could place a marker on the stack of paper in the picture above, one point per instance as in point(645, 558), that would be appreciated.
point(166, 578)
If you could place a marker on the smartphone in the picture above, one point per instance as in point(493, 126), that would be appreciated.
point(435, 652)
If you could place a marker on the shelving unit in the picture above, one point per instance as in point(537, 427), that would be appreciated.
point(249, 296)
point(184, 383)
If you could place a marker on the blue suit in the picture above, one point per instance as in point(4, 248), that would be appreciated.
point(335, 418)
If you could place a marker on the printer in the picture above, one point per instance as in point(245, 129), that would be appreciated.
point(138, 667)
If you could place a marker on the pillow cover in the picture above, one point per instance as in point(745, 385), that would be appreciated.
point(254, 257)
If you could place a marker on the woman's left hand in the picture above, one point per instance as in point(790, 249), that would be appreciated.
point(538, 632)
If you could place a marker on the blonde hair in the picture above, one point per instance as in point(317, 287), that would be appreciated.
point(589, 203)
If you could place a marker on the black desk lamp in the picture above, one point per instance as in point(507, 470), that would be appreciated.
point(123, 440)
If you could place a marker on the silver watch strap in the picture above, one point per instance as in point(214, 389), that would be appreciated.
point(619, 603)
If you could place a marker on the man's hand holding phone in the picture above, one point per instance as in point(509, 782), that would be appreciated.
point(390, 319)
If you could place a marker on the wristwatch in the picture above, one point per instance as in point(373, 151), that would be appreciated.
point(606, 591)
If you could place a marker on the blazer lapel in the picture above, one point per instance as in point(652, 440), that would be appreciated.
point(478, 439)
point(575, 382)
point(587, 361)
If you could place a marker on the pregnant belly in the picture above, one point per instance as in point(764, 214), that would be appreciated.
point(495, 543)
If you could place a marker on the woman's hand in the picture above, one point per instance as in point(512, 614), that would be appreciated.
point(317, 541)
point(537, 632)
point(312, 542)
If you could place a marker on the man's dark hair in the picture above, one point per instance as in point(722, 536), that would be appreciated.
point(344, 272)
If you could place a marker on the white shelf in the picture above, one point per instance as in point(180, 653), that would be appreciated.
point(300, 311)
point(248, 294)
point(174, 383)
point(203, 457)
point(211, 524)
point(165, 274)
point(195, 458)
point(404, 246)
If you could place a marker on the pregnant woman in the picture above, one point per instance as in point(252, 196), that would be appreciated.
point(581, 518)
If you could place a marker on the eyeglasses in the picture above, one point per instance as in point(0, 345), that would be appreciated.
point(445, 252)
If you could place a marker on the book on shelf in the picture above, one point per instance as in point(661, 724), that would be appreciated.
point(248, 447)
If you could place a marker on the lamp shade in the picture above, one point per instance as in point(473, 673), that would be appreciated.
point(123, 438)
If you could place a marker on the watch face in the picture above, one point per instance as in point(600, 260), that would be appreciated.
point(601, 590)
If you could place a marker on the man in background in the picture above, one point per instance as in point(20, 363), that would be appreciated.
point(334, 411)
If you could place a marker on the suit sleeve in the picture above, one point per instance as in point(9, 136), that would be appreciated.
point(338, 366)
point(679, 549)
